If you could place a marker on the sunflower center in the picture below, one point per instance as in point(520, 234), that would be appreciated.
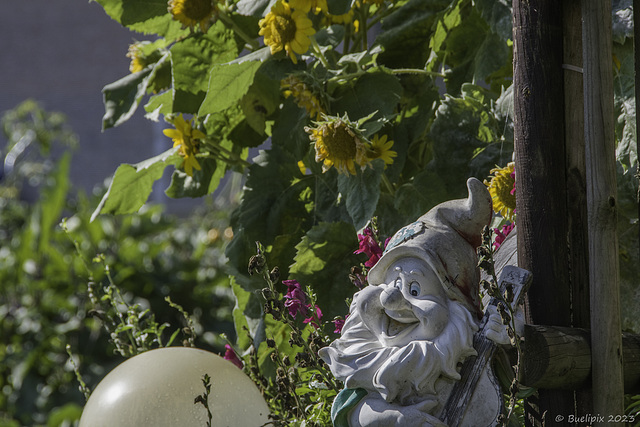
point(197, 9)
point(503, 184)
point(284, 28)
point(340, 143)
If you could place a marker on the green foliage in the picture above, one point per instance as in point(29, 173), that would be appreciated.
point(45, 303)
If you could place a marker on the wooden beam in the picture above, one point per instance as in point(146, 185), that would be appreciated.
point(602, 208)
point(557, 357)
point(541, 197)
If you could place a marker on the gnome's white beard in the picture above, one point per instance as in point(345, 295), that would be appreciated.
point(403, 375)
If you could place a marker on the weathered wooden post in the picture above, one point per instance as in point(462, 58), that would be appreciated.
point(540, 171)
point(576, 180)
point(636, 54)
point(606, 335)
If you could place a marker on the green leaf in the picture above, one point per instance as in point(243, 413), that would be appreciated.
point(488, 57)
point(227, 85)
point(498, 15)
point(191, 60)
point(132, 184)
point(261, 55)
point(147, 17)
point(362, 192)
point(463, 127)
point(622, 27)
point(247, 313)
point(288, 130)
point(254, 7)
point(625, 105)
point(271, 211)
point(260, 101)
point(121, 98)
point(339, 7)
point(426, 190)
point(271, 205)
point(203, 181)
point(406, 32)
point(159, 104)
point(323, 260)
point(377, 91)
point(54, 200)
point(64, 415)
point(332, 35)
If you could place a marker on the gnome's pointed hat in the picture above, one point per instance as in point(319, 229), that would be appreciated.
point(446, 238)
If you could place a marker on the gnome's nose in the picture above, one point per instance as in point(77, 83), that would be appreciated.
point(392, 298)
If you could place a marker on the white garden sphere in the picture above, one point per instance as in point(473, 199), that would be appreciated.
point(158, 388)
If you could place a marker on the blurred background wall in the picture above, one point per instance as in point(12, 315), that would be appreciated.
point(62, 53)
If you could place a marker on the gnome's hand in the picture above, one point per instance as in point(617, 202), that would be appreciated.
point(496, 331)
point(369, 306)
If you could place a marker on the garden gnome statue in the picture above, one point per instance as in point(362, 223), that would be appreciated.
point(408, 332)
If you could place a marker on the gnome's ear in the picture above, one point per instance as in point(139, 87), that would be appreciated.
point(467, 216)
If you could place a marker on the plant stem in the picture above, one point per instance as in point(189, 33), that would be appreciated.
point(387, 184)
point(318, 52)
point(393, 71)
point(364, 13)
point(244, 36)
point(230, 156)
point(416, 71)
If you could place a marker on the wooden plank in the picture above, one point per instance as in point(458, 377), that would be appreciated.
point(576, 179)
point(602, 209)
point(540, 171)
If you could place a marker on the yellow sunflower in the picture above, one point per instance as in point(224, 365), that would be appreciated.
point(302, 94)
point(193, 12)
point(380, 148)
point(501, 188)
point(338, 143)
point(287, 27)
point(186, 139)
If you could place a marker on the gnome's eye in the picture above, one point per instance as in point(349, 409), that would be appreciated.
point(414, 289)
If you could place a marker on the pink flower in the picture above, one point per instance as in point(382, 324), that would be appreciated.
point(232, 357)
point(295, 298)
point(369, 246)
point(315, 317)
point(357, 278)
point(501, 235)
point(339, 323)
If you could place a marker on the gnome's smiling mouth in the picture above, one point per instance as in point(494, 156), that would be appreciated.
point(398, 323)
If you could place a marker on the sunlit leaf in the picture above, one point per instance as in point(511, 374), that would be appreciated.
point(147, 17)
point(132, 184)
point(191, 61)
point(227, 85)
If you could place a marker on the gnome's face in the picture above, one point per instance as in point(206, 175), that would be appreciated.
point(414, 303)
